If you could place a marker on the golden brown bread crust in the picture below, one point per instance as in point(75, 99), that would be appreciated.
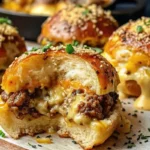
point(88, 25)
point(107, 75)
point(134, 35)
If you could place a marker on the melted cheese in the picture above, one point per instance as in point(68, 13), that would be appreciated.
point(132, 67)
point(3, 106)
point(73, 112)
point(142, 77)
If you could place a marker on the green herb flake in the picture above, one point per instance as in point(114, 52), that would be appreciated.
point(144, 137)
point(131, 145)
point(33, 146)
point(46, 47)
point(86, 12)
point(139, 29)
point(75, 43)
point(74, 142)
point(69, 49)
point(5, 20)
point(98, 50)
point(149, 129)
point(78, 5)
point(26, 53)
point(49, 136)
point(147, 23)
point(34, 49)
point(2, 134)
point(86, 46)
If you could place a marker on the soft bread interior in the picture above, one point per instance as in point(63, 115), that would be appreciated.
point(35, 72)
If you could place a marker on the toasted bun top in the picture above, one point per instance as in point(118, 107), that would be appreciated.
point(40, 67)
point(89, 25)
point(135, 36)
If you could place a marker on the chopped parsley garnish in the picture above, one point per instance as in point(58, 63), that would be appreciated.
point(49, 136)
point(26, 53)
point(144, 137)
point(134, 115)
point(34, 49)
point(147, 23)
point(33, 146)
point(139, 29)
point(86, 46)
point(149, 129)
point(74, 142)
point(86, 12)
point(5, 20)
point(96, 49)
point(46, 47)
point(78, 5)
point(75, 43)
point(69, 49)
point(2, 134)
point(131, 145)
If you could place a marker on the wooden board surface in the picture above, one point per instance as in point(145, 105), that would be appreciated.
point(8, 146)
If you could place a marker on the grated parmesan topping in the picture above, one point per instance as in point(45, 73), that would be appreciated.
point(77, 15)
point(7, 31)
point(136, 34)
point(77, 49)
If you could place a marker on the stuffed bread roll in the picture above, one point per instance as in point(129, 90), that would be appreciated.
point(128, 49)
point(11, 44)
point(89, 25)
point(73, 92)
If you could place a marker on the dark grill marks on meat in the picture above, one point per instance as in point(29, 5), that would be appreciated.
point(98, 106)
point(19, 103)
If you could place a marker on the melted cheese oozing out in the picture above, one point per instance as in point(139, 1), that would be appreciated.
point(142, 76)
point(124, 60)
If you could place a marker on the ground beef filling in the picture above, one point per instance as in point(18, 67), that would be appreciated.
point(98, 106)
point(95, 106)
point(19, 103)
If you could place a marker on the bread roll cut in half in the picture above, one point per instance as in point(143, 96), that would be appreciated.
point(11, 44)
point(128, 49)
point(73, 92)
point(89, 25)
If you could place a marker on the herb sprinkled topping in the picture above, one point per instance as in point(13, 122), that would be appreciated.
point(46, 47)
point(147, 23)
point(74, 142)
point(34, 49)
point(5, 20)
point(75, 43)
point(86, 12)
point(69, 49)
point(139, 29)
point(131, 145)
point(98, 50)
point(33, 146)
point(2, 134)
